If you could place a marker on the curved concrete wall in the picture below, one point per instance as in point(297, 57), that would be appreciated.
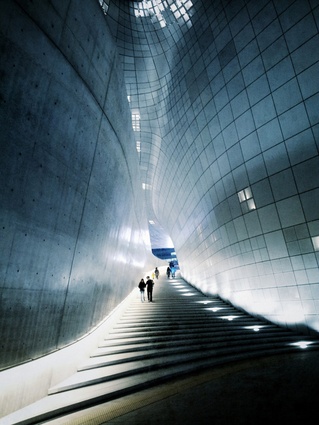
point(228, 97)
point(250, 197)
point(74, 237)
point(229, 100)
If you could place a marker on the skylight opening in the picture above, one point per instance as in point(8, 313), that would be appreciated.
point(245, 194)
point(155, 8)
point(251, 204)
point(315, 242)
point(162, 23)
point(246, 200)
point(104, 5)
point(136, 119)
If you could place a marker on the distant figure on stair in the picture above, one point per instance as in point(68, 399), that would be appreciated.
point(156, 271)
point(168, 272)
point(173, 272)
point(149, 288)
point(142, 286)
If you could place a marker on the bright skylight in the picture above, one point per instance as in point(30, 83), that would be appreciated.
point(246, 200)
point(164, 11)
point(315, 241)
point(105, 5)
point(136, 118)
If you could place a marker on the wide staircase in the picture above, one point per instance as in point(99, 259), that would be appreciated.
point(181, 332)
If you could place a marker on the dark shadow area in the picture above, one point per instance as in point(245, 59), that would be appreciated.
point(273, 390)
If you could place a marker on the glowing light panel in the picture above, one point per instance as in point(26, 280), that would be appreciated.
point(302, 344)
point(214, 309)
point(230, 318)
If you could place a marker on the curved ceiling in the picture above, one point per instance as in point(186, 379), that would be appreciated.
point(148, 34)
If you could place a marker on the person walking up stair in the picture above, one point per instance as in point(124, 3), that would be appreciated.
point(149, 288)
point(156, 271)
point(142, 286)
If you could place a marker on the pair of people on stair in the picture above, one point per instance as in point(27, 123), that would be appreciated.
point(149, 287)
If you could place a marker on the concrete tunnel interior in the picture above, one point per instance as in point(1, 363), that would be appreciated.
point(131, 126)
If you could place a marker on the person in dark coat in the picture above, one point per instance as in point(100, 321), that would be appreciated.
point(142, 286)
point(149, 288)
point(168, 272)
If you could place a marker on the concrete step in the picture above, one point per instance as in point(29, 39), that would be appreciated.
point(173, 337)
point(136, 346)
point(80, 398)
point(154, 342)
point(110, 372)
point(152, 352)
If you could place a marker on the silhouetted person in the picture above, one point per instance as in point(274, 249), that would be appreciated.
point(142, 286)
point(168, 272)
point(173, 271)
point(156, 271)
point(149, 288)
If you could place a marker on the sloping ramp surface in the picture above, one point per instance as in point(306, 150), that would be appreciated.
point(181, 332)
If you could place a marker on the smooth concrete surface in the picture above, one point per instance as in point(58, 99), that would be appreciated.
point(228, 97)
point(29, 382)
point(73, 241)
point(198, 117)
